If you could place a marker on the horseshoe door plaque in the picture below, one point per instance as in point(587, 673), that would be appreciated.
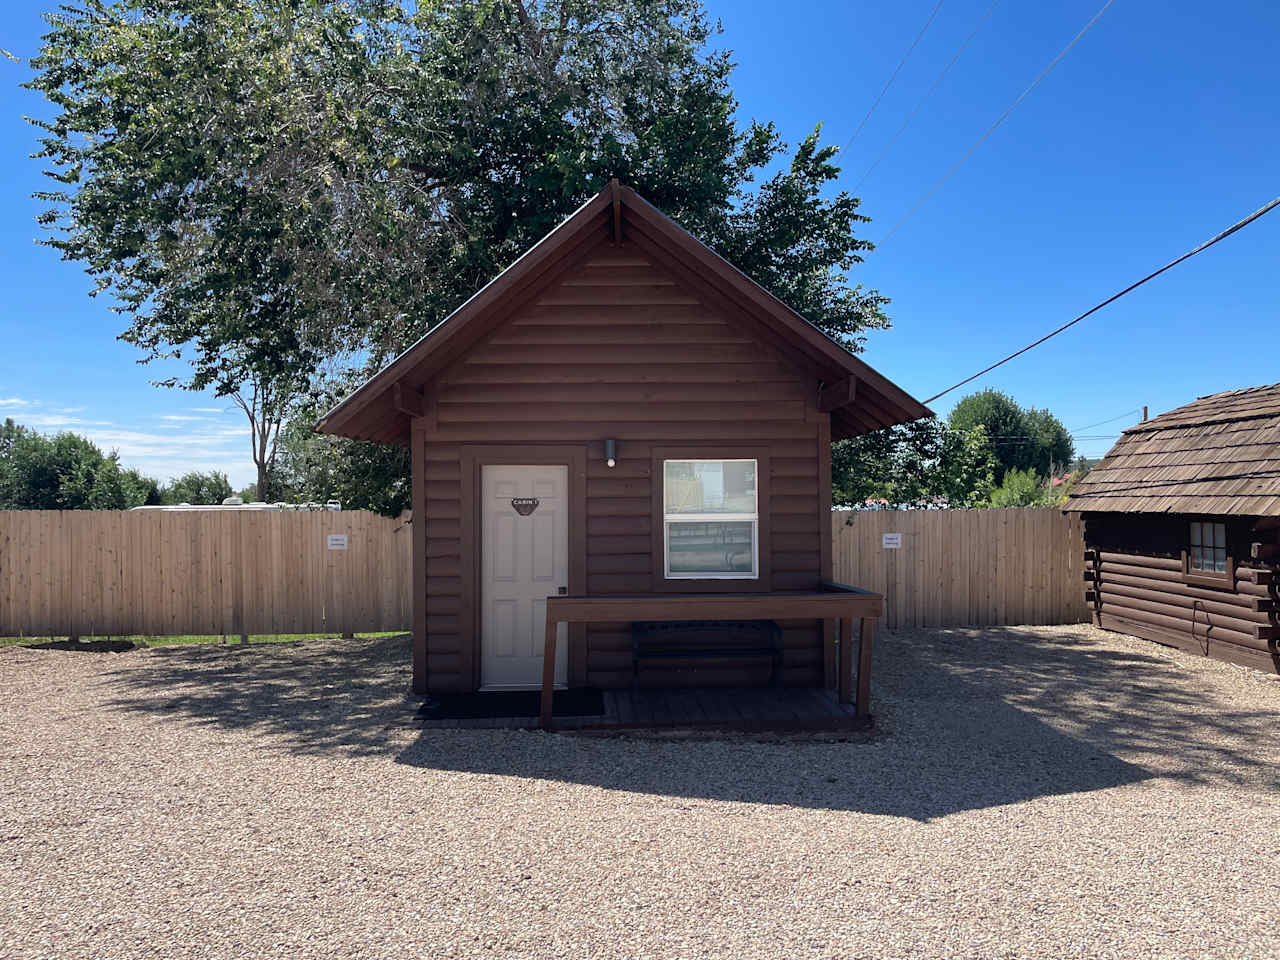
point(524, 505)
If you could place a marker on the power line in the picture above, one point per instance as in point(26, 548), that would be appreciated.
point(1239, 225)
point(928, 93)
point(1001, 119)
point(1021, 438)
point(1127, 413)
point(893, 76)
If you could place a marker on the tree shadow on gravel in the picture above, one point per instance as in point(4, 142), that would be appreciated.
point(966, 719)
point(312, 696)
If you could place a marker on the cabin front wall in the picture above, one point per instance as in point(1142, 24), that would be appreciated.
point(619, 351)
point(1139, 584)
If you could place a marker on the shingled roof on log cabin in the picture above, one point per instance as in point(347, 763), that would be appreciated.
point(1217, 455)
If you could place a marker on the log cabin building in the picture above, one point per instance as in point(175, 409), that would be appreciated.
point(1180, 527)
point(621, 429)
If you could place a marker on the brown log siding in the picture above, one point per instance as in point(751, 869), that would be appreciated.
point(619, 350)
point(1138, 586)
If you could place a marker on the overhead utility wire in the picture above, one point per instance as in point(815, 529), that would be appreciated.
point(893, 76)
point(1111, 420)
point(1018, 441)
point(928, 93)
point(1001, 119)
point(1239, 225)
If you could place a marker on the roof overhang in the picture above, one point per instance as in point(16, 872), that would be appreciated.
point(859, 399)
point(1216, 456)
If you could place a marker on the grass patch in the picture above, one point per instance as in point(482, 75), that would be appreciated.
point(192, 639)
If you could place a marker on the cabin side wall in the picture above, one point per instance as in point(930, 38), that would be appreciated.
point(618, 350)
point(1139, 585)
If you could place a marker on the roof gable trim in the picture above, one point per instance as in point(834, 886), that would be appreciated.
point(615, 212)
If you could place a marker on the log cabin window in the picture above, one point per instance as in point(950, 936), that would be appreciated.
point(710, 519)
point(1208, 553)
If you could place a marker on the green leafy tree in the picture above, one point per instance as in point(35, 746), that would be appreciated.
point(195, 487)
point(1021, 439)
point(359, 475)
point(1005, 423)
point(10, 434)
point(1053, 448)
point(922, 464)
point(1023, 488)
point(63, 472)
point(273, 192)
point(140, 490)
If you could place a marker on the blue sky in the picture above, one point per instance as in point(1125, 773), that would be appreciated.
point(1155, 132)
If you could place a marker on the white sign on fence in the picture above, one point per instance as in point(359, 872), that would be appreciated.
point(891, 541)
point(337, 541)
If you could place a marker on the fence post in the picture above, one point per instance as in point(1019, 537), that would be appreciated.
point(237, 577)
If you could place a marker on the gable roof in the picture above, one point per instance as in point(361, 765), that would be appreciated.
point(375, 412)
point(1217, 455)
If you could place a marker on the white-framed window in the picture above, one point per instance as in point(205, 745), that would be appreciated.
point(710, 519)
point(1208, 548)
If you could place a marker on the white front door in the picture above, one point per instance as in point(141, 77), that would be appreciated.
point(524, 558)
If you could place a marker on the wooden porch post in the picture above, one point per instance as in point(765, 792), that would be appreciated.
point(548, 671)
point(418, 530)
point(827, 521)
point(866, 640)
point(846, 660)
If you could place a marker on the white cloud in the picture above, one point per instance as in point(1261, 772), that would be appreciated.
point(59, 421)
point(170, 454)
point(174, 444)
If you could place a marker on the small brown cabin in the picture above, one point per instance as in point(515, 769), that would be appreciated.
point(620, 413)
point(1180, 525)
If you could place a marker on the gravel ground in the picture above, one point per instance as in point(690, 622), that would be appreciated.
point(1029, 792)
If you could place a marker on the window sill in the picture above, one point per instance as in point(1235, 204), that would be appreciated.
point(1212, 581)
point(696, 577)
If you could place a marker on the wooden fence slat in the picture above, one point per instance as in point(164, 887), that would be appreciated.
point(965, 567)
point(172, 572)
point(157, 573)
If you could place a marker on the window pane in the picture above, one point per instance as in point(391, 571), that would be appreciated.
point(1197, 559)
point(710, 548)
point(710, 486)
point(1220, 561)
point(1195, 534)
point(1220, 535)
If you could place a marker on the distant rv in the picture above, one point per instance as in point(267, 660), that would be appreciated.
point(236, 503)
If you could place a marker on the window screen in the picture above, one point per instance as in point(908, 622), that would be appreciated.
point(710, 519)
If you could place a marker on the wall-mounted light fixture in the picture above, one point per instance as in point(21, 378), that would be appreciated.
point(611, 453)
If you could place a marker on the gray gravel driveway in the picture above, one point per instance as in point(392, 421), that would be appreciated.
point(1028, 792)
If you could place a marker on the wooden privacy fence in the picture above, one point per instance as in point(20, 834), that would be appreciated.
point(158, 572)
point(941, 568)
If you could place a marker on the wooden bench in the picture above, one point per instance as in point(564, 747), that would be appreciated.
point(653, 640)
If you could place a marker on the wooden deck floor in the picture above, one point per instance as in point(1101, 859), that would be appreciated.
point(750, 710)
